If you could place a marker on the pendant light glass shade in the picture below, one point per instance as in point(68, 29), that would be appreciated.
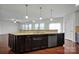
point(51, 19)
point(26, 17)
point(40, 18)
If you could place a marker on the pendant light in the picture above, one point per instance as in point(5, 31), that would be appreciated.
point(26, 12)
point(40, 13)
point(51, 18)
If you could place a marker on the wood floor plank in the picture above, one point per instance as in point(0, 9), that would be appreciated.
point(68, 48)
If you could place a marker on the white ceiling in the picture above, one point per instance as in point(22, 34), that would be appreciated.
point(18, 11)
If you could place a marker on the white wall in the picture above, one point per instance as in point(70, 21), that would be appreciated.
point(77, 18)
point(70, 22)
point(0, 28)
point(69, 26)
point(7, 27)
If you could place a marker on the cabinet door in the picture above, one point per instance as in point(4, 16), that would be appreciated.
point(44, 41)
point(52, 40)
point(28, 43)
point(36, 42)
point(20, 44)
point(60, 39)
point(11, 42)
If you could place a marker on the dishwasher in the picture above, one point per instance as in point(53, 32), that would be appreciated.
point(52, 40)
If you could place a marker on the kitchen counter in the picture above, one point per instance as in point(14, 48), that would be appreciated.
point(35, 32)
point(29, 41)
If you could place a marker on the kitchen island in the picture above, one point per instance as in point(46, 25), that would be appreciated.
point(30, 41)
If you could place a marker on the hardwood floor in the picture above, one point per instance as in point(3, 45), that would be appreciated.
point(68, 48)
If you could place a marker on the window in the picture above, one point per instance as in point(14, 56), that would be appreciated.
point(55, 26)
point(41, 25)
point(23, 27)
point(30, 26)
point(36, 26)
point(26, 26)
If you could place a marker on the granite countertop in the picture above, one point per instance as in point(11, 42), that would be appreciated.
point(34, 32)
point(31, 33)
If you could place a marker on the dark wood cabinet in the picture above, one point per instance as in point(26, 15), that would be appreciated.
point(60, 39)
point(44, 41)
point(11, 41)
point(22, 43)
point(36, 40)
point(39, 42)
point(28, 41)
